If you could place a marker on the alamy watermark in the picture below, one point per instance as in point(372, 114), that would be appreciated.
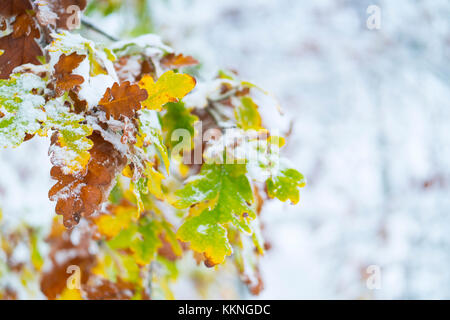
point(373, 281)
point(46, 15)
point(74, 280)
point(226, 146)
point(373, 21)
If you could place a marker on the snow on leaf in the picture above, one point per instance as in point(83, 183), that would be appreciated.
point(285, 185)
point(149, 45)
point(170, 87)
point(97, 69)
point(247, 263)
point(83, 195)
point(207, 236)
point(122, 100)
point(260, 152)
point(20, 46)
point(150, 132)
point(70, 145)
point(228, 191)
point(20, 108)
point(62, 10)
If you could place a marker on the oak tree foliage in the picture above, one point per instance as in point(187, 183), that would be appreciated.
point(111, 112)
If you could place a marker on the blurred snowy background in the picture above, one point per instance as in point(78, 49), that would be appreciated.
point(370, 117)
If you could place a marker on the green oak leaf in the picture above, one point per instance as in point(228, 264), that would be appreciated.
point(206, 235)
point(146, 249)
point(177, 117)
point(20, 108)
point(71, 150)
point(227, 189)
point(142, 239)
point(285, 185)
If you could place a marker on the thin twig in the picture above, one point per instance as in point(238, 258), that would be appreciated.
point(224, 96)
point(90, 25)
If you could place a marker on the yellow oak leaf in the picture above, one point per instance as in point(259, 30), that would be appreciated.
point(170, 87)
point(154, 182)
point(121, 217)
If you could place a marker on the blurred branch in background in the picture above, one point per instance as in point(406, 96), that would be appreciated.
point(130, 18)
point(87, 23)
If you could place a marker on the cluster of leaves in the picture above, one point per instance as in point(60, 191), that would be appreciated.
point(111, 112)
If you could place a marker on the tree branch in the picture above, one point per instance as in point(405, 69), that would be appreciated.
point(90, 25)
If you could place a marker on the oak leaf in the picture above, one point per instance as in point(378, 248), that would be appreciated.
point(178, 117)
point(285, 185)
point(122, 100)
point(69, 144)
point(20, 108)
point(19, 47)
point(173, 61)
point(11, 8)
point(102, 289)
point(65, 80)
point(226, 194)
point(63, 254)
point(79, 196)
point(170, 87)
point(151, 135)
point(247, 114)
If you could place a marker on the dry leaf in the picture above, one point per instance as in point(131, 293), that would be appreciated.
point(173, 61)
point(79, 196)
point(65, 80)
point(122, 100)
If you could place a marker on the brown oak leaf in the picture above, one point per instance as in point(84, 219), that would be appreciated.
point(11, 8)
point(122, 100)
point(83, 195)
point(65, 80)
point(54, 279)
point(103, 289)
point(20, 47)
point(79, 104)
point(173, 61)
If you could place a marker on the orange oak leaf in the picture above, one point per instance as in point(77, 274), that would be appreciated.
point(65, 80)
point(173, 61)
point(122, 100)
point(83, 195)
